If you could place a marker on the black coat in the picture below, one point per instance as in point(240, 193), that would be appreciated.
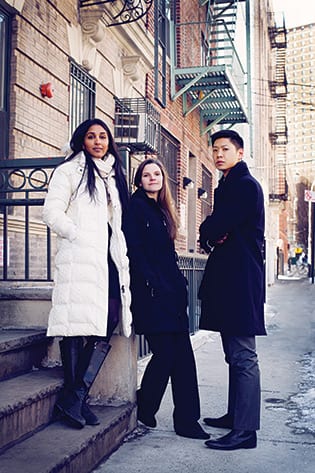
point(232, 289)
point(158, 288)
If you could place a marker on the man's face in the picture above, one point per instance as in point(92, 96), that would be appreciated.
point(226, 155)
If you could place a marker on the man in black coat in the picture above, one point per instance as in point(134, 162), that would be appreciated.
point(232, 289)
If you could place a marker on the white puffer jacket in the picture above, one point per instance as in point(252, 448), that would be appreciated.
point(80, 295)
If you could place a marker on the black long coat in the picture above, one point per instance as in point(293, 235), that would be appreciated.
point(232, 289)
point(158, 288)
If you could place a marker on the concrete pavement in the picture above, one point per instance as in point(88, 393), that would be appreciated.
point(286, 440)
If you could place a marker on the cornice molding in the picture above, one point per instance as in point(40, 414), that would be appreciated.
point(16, 4)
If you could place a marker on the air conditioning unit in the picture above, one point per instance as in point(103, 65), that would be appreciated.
point(130, 128)
point(137, 124)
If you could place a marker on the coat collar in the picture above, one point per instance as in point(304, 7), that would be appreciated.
point(141, 194)
point(239, 170)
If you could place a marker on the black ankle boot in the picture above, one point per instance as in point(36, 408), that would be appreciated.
point(224, 422)
point(88, 414)
point(192, 431)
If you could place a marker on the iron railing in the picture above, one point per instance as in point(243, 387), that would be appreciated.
point(25, 242)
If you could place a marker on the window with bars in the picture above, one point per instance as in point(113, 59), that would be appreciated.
point(206, 204)
point(168, 156)
point(162, 15)
point(82, 96)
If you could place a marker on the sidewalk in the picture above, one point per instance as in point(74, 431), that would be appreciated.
point(286, 440)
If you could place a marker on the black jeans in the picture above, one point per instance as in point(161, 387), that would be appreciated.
point(172, 358)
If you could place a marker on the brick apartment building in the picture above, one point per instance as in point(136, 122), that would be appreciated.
point(88, 63)
point(301, 141)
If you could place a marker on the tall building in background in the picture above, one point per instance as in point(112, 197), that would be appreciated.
point(300, 70)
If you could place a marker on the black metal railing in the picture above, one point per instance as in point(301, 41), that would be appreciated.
point(25, 242)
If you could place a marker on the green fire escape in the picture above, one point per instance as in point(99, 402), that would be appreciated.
point(212, 78)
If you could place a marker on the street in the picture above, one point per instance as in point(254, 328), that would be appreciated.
point(286, 440)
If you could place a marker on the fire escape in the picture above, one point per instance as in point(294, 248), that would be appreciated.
point(211, 79)
point(279, 137)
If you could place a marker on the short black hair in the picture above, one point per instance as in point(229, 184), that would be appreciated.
point(235, 138)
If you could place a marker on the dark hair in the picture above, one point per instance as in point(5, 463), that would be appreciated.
point(234, 137)
point(76, 144)
point(165, 199)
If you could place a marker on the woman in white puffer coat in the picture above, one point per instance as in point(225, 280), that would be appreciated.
point(86, 198)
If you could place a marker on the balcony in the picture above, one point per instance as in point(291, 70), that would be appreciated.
point(211, 78)
point(117, 12)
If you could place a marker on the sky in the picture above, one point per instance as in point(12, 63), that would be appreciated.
point(296, 13)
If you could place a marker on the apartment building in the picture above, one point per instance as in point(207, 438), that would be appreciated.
point(301, 122)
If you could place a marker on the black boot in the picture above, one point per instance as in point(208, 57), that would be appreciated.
point(70, 350)
point(90, 362)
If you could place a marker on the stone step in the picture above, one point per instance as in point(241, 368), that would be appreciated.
point(21, 350)
point(26, 403)
point(58, 448)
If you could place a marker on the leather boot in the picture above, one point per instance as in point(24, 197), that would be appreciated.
point(224, 422)
point(90, 362)
point(70, 350)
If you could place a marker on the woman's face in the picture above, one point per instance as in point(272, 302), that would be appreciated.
point(96, 141)
point(152, 180)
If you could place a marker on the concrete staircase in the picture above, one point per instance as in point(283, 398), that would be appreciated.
point(29, 441)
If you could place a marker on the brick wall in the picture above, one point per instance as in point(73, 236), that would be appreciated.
point(40, 54)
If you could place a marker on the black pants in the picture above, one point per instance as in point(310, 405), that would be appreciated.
point(244, 381)
point(172, 358)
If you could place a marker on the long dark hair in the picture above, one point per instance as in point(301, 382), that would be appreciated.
point(165, 199)
point(76, 144)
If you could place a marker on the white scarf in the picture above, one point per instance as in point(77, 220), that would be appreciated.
point(106, 169)
point(118, 247)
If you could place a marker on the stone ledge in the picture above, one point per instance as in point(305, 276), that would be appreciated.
point(25, 291)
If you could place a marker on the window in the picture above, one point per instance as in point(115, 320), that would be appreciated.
point(206, 206)
point(4, 82)
point(162, 16)
point(168, 156)
point(82, 96)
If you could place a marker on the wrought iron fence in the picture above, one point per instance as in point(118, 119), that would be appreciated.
point(25, 242)
point(27, 246)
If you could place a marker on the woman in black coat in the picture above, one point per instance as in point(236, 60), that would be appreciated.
point(159, 302)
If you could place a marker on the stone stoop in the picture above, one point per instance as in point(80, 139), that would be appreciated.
point(21, 350)
point(29, 441)
point(57, 448)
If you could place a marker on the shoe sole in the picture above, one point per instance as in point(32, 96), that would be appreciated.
point(245, 446)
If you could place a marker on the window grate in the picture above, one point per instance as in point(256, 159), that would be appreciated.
point(82, 96)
